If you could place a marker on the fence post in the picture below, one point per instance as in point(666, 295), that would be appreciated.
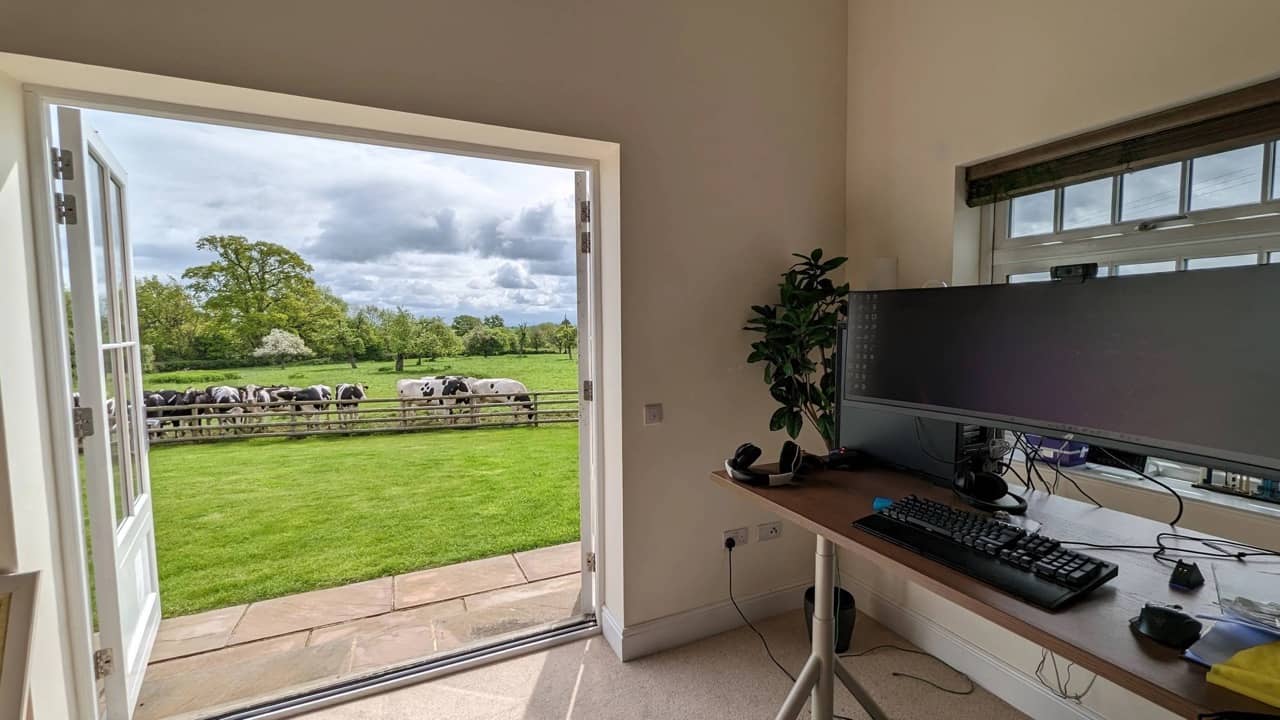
point(533, 402)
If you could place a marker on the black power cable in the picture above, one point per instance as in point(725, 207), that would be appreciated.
point(889, 646)
point(1057, 470)
point(1173, 523)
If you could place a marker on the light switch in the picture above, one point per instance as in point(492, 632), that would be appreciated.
point(653, 414)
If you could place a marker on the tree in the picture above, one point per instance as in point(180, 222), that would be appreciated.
point(168, 318)
point(487, 341)
point(522, 336)
point(281, 346)
point(494, 321)
point(252, 287)
point(464, 324)
point(436, 339)
point(542, 335)
point(566, 338)
point(398, 333)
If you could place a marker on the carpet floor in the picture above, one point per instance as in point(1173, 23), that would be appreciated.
point(727, 676)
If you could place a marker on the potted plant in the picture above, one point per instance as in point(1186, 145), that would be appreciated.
point(798, 346)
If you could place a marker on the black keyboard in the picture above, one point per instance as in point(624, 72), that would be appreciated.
point(1031, 567)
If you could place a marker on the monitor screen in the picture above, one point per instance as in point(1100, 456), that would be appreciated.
point(1183, 365)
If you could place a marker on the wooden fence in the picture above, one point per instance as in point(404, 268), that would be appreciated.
point(239, 421)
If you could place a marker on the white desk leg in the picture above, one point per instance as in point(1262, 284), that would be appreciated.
point(824, 628)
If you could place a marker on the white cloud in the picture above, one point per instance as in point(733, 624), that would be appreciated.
point(437, 234)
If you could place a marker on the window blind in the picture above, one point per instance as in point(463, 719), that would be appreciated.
point(1224, 122)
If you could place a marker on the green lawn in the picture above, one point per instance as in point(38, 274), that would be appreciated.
point(544, 371)
point(254, 519)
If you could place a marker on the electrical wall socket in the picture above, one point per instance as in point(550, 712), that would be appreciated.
point(769, 531)
point(739, 536)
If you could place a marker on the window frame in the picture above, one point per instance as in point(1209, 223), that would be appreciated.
point(1252, 228)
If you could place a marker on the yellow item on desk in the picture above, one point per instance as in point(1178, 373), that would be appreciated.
point(1254, 672)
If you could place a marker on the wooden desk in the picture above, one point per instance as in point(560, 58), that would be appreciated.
point(1093, 633)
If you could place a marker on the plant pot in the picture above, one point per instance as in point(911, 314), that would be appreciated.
point(845, 611)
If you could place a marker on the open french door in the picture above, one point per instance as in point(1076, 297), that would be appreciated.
point(584, 224)
point(110, 419)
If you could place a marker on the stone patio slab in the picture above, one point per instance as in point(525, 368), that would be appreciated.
point(198, 633)
point(559, 594)
point(454, 581)
point(314, 609)
point(391, 639)
point(239, 675)
point(553, 561)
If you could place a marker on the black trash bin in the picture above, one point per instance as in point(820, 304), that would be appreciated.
point(845, 613)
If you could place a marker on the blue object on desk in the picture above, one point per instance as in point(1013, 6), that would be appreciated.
point(880, 503)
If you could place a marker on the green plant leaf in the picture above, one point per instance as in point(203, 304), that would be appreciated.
point(795, 421)
point(779, 418)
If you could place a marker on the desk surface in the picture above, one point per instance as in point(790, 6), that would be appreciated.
point(1094, 633)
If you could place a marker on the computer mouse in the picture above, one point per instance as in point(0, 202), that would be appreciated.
point(1167, 625)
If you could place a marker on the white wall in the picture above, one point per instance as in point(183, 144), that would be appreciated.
point(936, 84)
point(731, 120)
point(26, 535)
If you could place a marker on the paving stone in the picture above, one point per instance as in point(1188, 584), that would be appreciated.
point(453, 581)
point(191, 634)
point(392, 639)
point(314, 609)
point(551, 561)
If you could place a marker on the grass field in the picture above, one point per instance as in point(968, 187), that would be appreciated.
point(255, 519)
point(543, 371)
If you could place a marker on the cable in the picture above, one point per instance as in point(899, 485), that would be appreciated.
point(729, 544)
point(1173, 523)
point(1217, 548)
point(969, 680)
point(920, 439)
point(1060, 688)
point(1057, 471)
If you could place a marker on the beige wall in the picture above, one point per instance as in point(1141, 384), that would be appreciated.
point(934, 84)
point(731, 120)
point(938, 84)
point(26, 535)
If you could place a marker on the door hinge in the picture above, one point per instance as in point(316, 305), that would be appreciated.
point(64, 207)
point(584, 211)
point(62, 167)
point(102, 663)
point(591, 562)
point(586, 242)
point(82, 422)
point(588, 390)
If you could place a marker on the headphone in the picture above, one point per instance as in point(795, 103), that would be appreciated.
point(739, 466)
point(988, 491)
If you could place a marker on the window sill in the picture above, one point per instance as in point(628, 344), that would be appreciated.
point(1184, 489)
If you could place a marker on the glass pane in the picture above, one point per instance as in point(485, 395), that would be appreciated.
point(115, 473)
point(95, 209)
point(1274, 257)
point(131, 435)
point(1149, 193)
point(1029, 277)
point(1207, 263)
point(1031, 214)
point(1275, 172)
point(1104, 270)
point(120, 304)
point(1087, 204)
point(1146, 268)
point(1230, 178)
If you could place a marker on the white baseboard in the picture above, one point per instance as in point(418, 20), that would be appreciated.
point(995, 675)
point(683, 628)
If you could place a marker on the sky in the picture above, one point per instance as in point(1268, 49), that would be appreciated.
point(436, 234)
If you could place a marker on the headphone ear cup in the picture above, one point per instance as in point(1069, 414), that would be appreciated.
point(789, 459)
point(745, 456)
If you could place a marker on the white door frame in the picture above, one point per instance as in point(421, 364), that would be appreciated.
point(601, 418)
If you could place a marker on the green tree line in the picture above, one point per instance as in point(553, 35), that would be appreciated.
point(219, 314)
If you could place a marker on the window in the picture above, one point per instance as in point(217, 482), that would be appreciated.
point(1214, 210)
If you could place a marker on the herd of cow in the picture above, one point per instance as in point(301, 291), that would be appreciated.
point(185, 410)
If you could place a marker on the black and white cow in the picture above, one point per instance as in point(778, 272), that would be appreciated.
point(348, 397)
point(229, 401)
point(437, 391)
point(191, 396)
point(502, 390)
